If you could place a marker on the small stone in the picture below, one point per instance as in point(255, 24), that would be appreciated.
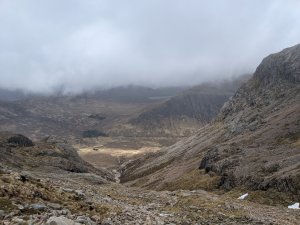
point(84, 220)
point(64, 212)
point(96, 218)
point(79, 193)
point(68, 190)
point(21, 207)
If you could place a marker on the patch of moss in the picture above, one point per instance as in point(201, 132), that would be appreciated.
point(195, 179)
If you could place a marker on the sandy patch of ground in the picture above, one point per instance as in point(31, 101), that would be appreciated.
point(111, 157)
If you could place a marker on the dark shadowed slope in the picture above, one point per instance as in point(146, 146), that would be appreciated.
point(255, 142)
point(185, 113)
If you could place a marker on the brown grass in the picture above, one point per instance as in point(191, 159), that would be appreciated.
point(195, 179)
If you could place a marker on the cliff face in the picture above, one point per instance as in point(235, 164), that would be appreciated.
point(254, 142)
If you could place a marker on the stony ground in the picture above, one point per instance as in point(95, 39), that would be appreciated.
point(33, 198)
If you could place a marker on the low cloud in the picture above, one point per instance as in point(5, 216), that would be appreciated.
point(81, 45)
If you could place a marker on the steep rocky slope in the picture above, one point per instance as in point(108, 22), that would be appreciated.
point(255, 142)
point(185, 113)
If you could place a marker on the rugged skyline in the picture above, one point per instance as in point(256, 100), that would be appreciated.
point(79, 45)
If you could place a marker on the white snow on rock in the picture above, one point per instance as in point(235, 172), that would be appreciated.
point(294, 206)
point(243, 196)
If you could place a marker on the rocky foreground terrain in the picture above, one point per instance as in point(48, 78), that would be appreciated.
point(72, 198)
point(251, 149)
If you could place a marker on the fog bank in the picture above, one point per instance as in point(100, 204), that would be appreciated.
point(79, 45)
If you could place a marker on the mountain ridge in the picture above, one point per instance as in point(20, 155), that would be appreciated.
point(183, 114)
point(245, 145)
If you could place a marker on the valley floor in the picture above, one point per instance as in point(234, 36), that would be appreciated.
point(112, 158)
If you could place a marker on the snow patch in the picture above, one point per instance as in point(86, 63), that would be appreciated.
point(294, 206)
point(243, 196)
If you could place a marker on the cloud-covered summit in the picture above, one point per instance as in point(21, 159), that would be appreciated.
point(80, 45)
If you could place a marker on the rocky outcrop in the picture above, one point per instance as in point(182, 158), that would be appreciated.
point(20, 141)
point(254, 142)
point(18, 151)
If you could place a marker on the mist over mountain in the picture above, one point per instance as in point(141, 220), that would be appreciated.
point(77, 46)
point(150, 112)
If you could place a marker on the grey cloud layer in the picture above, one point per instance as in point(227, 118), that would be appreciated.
point(84, 44)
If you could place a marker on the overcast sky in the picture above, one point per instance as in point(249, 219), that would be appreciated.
point(82, 44)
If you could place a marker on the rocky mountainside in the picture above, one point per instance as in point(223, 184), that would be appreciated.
point(135, 93)
point(8, 95)
point(254, 143)
point(20, 153)
point(66, 117)
point(185, 113)
point(79, 118)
